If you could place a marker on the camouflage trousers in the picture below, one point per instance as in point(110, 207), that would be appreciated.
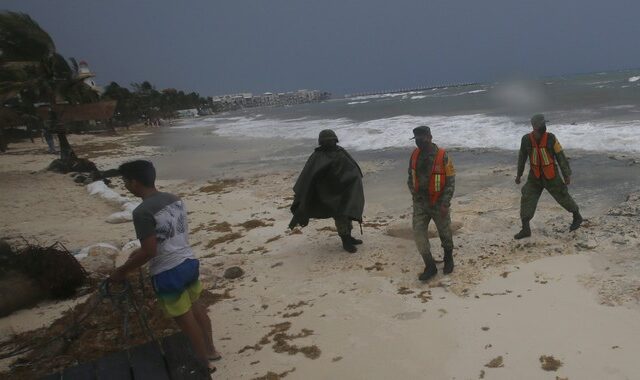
point(423, 213)
point(343, 225)
point(532, 190)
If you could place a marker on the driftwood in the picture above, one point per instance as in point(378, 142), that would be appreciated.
point(86, 170)
point(102, 110)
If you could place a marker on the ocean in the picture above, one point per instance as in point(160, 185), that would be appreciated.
point(597, 112)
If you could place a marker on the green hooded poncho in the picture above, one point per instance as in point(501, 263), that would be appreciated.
point(330, 185)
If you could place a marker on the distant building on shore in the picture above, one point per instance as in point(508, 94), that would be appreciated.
point(87, 76)
point(187, 113)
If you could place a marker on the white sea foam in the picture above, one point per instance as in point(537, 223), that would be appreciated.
point(414, 95)
point(463, 93)
point(634, 79)
point(362, 102)
point(204, 122)
point(600, 82)
point(195, 123)
point(620, 107)
point(462, 131)
point(387, 95)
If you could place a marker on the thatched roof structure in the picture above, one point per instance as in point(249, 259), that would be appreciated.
point(102, 110)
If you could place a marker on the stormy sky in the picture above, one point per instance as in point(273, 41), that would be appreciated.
point(342, 46)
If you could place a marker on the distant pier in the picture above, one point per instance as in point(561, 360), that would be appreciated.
point(411, 89)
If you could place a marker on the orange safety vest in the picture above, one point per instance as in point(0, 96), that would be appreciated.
point(541, 159)
point(438, 175)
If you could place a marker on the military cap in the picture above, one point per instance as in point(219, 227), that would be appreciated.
point(421, 131)
point(538, 119)
point(326, 135)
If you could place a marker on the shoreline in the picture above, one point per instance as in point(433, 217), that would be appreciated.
point(367, 312)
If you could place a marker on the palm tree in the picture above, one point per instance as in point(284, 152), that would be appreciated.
point(31, 70)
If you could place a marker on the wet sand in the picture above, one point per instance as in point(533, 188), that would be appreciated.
point(573, 296)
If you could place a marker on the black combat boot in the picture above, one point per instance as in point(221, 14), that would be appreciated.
point(448, 261)
point(524, 232)
point(577, 221)
point(354, 241)
point(430, 269)
point(347, 244)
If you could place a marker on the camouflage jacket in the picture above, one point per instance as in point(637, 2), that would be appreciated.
point(423, 172)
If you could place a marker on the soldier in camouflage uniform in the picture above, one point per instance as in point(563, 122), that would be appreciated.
point(432, 183)
point(543, 151)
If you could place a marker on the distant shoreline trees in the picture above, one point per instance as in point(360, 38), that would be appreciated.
point(145, 102)
point(36, 82)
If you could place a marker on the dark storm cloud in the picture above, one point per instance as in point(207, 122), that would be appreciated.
point(217, 47)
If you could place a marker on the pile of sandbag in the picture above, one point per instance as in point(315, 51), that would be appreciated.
point(102, 258)
point(100, 189)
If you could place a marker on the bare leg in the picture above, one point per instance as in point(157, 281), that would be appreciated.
point(190, 327)
point(200, 313)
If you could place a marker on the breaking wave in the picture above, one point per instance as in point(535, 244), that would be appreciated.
point(461, 131)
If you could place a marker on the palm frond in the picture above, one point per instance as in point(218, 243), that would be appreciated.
point(74, 66)
point(22, 39)
point(60, 67)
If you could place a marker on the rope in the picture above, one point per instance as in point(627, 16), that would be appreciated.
point(122, 299)
point(63, 335)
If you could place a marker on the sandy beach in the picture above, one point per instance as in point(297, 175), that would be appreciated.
point(305, 309)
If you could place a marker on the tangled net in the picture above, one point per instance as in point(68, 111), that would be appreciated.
point(54, 268)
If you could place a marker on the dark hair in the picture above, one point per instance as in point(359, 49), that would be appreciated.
point(140, 170)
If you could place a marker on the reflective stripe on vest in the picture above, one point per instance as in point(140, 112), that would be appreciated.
point(541, 161)
point(438, 178)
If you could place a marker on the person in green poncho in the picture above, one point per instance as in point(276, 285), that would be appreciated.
point(330, 186)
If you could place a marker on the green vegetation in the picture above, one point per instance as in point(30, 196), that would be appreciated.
point(145, 102)
point(33, 74)
point(32, 71)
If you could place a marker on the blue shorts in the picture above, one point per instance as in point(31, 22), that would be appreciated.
point(178, 287)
